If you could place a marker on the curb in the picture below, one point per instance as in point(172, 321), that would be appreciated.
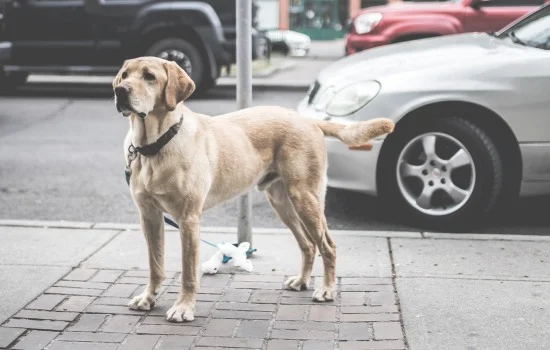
point(259, 82)
point(276, 231)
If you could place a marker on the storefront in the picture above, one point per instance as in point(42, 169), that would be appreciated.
point(320, 19)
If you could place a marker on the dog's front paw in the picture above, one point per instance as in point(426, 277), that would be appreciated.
point(181, 312)
point(296, 283)
point(324, 293)
point(144, 301)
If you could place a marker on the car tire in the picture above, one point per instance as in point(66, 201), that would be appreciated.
point(186, 55)
point(12, 80)
point(450, 187)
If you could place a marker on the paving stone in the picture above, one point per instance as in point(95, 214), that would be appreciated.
point(73, 291)
point(246, 315)
point(208, 297)
point(291, 313)
point(256, 285)
point(245, 307)
point(369, 309)
point(121, 290)
point(211, 290)
point(46, 302)
point(37, 324)
point(203, 309)
point(265, 296)
point(112, 301)
point(368, 317)
point(161, 320)
point(259, 278)
point(75, 303)
point(218, 280)
point(88, 323)
point(365, 280)
point(355, 331)
point(237, 295)
point(113, 309)
point(107, 276)
point(372, 345)
point(63, 345)
point(302, 334)
point(121, 324)
point(35, 340)
point(8, 335)
point(353, 298)
point(182, 329)
point(297, 294)
point(176, 342)
point(240, 343)
point(140, 342)
point(81, 284)
point(92, 337)
point(220, 327)
point(307, 325)
point(133, 280)
point(318, 345)
point(322, 313)
point(381, 298)
point(80, 274)
point(367, 288)
point(136, 273)
point(46, 315)
point(387, 330)
point(253, 329)
point(279, 344)
point(300, 301)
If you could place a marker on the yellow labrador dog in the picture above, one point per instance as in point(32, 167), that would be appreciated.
point(183, 162)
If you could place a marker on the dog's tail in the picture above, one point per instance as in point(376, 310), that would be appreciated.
point(357, 135)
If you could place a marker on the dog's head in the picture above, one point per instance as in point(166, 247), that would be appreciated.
point(146, 84)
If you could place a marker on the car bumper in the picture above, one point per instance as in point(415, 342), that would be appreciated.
point(5, 52)
point(356, 43)
point(347, 169)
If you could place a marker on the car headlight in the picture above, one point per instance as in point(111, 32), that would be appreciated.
point(366, 22)
point(352, 98)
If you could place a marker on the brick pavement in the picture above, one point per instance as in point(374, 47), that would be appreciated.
point(87, 310)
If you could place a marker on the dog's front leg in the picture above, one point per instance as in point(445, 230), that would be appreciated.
point(184, 307)
point(153, 228)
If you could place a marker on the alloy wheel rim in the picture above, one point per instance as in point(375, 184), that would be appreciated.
point(179, 57)
point(436, 174)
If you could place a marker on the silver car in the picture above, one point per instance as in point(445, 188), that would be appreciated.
point(472, 121)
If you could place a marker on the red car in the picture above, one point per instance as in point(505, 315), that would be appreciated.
point(404, 21)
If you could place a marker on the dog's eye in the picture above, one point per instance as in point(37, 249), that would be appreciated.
point(148, 76)
point(124, 75)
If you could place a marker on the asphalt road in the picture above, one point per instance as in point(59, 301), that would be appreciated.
point(61, 159)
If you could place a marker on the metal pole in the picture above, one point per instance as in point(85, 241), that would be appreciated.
point(244, 98)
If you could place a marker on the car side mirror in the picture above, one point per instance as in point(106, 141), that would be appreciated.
point(477, 4)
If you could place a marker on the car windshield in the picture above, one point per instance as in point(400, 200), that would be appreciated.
point(533, 31)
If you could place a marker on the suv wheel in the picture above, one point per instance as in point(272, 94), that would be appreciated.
point(444, 173)
point(185, 55)
point(12, 80)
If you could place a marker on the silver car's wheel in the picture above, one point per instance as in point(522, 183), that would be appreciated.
point(442, 191)
point(443, 173)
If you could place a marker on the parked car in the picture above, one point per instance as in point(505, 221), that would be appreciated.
point(96, 36)
point(398, 22)
point(288, 42)
point(471, 114)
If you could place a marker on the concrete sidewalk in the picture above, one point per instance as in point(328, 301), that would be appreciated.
point(65, 285)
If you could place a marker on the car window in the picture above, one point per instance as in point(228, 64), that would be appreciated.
point(496, 3)
point(533, 31)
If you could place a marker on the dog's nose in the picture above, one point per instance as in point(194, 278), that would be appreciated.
point(122, 90)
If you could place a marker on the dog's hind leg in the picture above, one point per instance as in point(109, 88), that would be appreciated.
point(153, 228)
point(308, 204)
point(278, 198)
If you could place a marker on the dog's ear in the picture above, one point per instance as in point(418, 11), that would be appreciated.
point(118, 77)
point(179, 85)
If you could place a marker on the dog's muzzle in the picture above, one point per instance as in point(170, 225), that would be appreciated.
point(122, 94)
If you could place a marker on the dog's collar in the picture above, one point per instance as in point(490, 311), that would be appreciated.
point(152, 148)
point(155, 147)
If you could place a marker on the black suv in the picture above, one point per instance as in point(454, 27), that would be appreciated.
point(96, 36)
